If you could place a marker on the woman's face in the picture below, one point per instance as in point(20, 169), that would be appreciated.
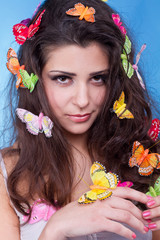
point(74, 83)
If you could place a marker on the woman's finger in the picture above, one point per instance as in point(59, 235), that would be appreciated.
point(132, 194)
point(116, 202)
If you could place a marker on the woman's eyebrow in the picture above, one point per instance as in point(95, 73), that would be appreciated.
point(63, 72)
point(74, 74)
point(99, 72)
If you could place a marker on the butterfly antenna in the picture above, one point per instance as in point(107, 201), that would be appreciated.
point(154, 144)
point(84, 181)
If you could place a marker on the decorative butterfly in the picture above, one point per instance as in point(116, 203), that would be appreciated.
point(22, 32)
point(144, 161)
point(35, 124)
point(27, 20)
point(128, 68)
point(154, 191)
point(116, 19)
point(29, 81)
point(154, 129)
point(83, 12)
point(103, 184)
point(125, 184)
point(119, 108)
point(14, 66)
point(40, 210)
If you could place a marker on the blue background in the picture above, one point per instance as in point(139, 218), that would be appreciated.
point(141, 16)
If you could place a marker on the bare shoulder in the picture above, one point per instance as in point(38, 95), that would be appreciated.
point(10, 157)
point(156, 235)
point(8, 217)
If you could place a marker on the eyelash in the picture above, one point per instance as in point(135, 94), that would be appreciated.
point(64, 79)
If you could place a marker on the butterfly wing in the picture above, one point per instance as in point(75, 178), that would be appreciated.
point(20, 32)
point(126, 114)
point(47, 126)
point(150, 162)
point(119, 108)
point(127, 45)
point(33, 28)
point(127, 68)
point(89, 15)
point(14, 66)
point(29, 81)
point(88, 197)
point(157, 186)
point(101, 178)
point(145, 168)
point(77, 10)
point(125, 184)
point(154, 129)
point(12, 61)
point(31, 120)
point(137, 153)
point(118, 103)
point(116, 18)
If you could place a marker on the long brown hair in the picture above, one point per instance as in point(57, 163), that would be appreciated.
point(48, 161)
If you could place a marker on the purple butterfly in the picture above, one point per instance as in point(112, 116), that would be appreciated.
point(34, 123)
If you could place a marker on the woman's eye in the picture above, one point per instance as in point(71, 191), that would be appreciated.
point(99, 79)
point(62, 79)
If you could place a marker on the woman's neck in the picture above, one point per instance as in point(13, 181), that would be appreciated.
point(77, 141)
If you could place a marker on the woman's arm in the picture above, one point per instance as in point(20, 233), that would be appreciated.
point(108, 215)
point(9, 223)
point(156, 235)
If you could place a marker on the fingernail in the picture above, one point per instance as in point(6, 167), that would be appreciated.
point(148, 220)
point(151, 203)
point(152, 225)
point(146, 229)
point(134, 236)
point(146, 214)
point(149, 197)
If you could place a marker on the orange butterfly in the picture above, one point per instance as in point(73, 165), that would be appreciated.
point(14, 66)
point(83, 12)
point(144, 161)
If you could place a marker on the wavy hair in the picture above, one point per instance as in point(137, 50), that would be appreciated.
point(48, 163)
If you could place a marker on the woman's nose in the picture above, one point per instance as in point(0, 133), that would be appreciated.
point(81, 95)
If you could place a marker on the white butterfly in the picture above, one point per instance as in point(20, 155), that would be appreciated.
point(34, 123)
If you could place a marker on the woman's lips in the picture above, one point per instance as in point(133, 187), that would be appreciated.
point(80, 118)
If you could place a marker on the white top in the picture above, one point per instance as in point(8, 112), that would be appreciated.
point(33, 231)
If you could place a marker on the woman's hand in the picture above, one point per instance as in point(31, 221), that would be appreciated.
point(76, 219)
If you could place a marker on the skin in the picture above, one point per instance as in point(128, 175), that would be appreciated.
point(79, 93)
point(77, 86)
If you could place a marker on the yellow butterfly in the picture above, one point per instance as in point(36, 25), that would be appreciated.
point(119, 108)
point(103, 183)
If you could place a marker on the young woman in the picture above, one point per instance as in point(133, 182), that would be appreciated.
point(71, 72)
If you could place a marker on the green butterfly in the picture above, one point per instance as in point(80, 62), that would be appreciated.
point(29, 81)
point(126, 64)
point(153, 192)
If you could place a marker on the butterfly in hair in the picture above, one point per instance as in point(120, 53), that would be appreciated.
point(14, 66)
point(83, 12)
point(29, 81)
point(103, 183)
point(35, 124)
point(154, 129)
point(22, 32)
point(119, 107)
point(143, 160)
